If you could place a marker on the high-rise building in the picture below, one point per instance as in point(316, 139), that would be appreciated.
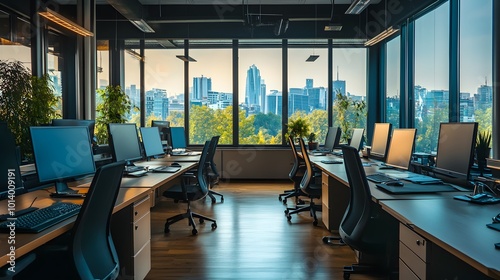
point(274, 102)
point(309, 83)
point(338, 85)
point(484, 97)
point(297, 101)
point(201, 87)
point(253, 86)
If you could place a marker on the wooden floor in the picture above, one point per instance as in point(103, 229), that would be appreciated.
point(253, 239)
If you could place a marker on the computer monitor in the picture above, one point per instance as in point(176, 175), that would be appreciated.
point(332, 138)
point(151, 141)
point(455, 149)
point(380, 141)
point(73, 122)
point(178, 138)
point(62, 153)
point(163, 127)
point(401, 148)
point(357, 138)
point(124, 142)
point(11, 182)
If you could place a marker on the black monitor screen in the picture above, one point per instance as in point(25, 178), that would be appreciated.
point(380, 141)
point(178, 138)
point(401, 148)
point(455, 149)
point(332, 137)
point(124, 142)
point(357, 138)
point(10, 175)
point(151, 141)
point(62, 153)
point(72, 122)
point(163, 127)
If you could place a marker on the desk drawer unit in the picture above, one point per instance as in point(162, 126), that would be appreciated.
point(132, 235)
point(413, 250)
point(334, 201)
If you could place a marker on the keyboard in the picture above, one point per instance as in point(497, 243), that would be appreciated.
point(137, 173)
point(133, 168)
point(379, 178)
point(43, 218)
point(332, 161)
point(166, 169)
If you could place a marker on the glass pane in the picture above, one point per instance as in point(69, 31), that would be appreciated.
point(260, 96)
point(349, 84)
point(308, 89)
point(476, 93)
point(164, 78)
point(55, 70)
point(431, 76)
point(393, 81)
point(132, 84)
point(211, 96)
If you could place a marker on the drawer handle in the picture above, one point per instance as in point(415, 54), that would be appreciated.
point(420, 242)
point(135, 213)
point(136, 227)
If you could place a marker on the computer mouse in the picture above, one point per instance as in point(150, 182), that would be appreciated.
point(394, 184)
point(175, 164)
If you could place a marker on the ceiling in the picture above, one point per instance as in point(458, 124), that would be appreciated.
point(245, 2)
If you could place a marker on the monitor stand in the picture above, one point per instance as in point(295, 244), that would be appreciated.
point(62, 190)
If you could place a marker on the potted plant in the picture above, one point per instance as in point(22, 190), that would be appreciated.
point(483, 149)
point(113, 108)
point(298, 127)
point(25, 101)
point(313, 145)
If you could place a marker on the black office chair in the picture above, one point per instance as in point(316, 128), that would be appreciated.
point(212, 172)
point(362, 227)
point(191, 192)
point(309, 187)
point(90, 253)
point(296, 174)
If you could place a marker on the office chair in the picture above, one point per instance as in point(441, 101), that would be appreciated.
point(213, 173)
point(362, 227)
point(90, 252)
point(295, 174)
point(309, 187)
point(191, 192)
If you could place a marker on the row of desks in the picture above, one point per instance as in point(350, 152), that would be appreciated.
point(133, 189)
point(456, 226)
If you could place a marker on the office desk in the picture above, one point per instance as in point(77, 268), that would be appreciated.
point(457, 227)
point(170, 158)
point(155, 180)
point(26, 242)
point(335, 190)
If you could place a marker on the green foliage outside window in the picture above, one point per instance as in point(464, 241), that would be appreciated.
point(348, 114)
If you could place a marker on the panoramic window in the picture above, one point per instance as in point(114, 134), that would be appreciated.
point(308, 88)
point(132, 83)
point(392, 99)
point(476, 92)
point(164, 85)
point(431, 91)
point(349, 90)
point(260, 96)
point(210, 96)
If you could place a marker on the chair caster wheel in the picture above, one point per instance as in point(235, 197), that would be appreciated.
point(221, 199)
point(325, 239)
point(279, 198)
point(289, 218)
point(286, 212)
point(214, 226)
point(315, 222)
point(347, 275)
point(194, 231)
point(166, 230)
point(301, 202)
point(284, 201)
point(202, 221)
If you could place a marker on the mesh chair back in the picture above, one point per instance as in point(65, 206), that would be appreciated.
point(93, 250)
point(201, 173)
point(358, 213)
point(211, 154)
point(309, 173)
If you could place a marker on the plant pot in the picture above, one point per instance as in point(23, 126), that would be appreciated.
point(481, 156)
point(313, 145)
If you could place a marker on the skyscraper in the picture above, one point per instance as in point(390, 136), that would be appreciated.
point(338, 85)
point(201, 87)
point(253, 86)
